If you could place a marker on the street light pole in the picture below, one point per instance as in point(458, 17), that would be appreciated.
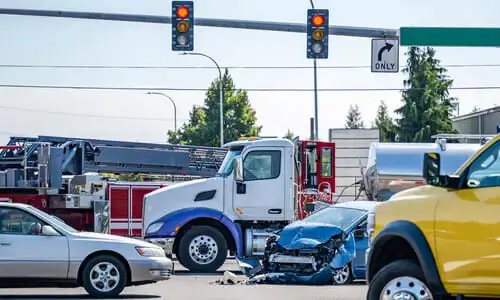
point(221, 96)
point(173, 103)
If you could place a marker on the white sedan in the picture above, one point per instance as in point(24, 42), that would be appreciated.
point(39, 250)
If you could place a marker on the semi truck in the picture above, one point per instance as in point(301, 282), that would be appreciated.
point(262, 185)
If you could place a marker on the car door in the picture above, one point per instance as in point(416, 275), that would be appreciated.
point(262, 194)
point(25, 253)
point(467, 227)
point(361, 238)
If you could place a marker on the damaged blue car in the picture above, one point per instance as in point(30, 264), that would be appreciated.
point(327, 247)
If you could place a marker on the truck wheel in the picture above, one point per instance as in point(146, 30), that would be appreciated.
point(343, 276)
point(202, 249)
point(401, 279)
point(104, 276)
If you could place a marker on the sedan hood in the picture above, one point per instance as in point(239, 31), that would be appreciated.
point(111, 238)
point(306, 235)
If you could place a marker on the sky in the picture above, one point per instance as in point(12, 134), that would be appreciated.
point(136, 116)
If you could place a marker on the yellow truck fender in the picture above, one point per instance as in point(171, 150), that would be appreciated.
point(403, 240)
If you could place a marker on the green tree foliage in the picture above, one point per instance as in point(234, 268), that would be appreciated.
point(289, 135)
point(385, 124)
point(426, 108)
point(203, 127)
point(353, 118)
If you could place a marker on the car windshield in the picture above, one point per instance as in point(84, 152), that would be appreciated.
point(226, 167)
point(341, 217)
point(53, 219)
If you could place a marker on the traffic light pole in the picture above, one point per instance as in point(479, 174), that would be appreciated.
point(315, 70)
point(316, 134)
point(362, 32)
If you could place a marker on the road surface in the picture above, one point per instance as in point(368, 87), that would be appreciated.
point(188, 286)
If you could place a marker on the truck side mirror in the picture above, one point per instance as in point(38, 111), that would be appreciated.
point(432, 168)
point(238, 168)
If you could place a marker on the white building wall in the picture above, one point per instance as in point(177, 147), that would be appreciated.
point(351, 154)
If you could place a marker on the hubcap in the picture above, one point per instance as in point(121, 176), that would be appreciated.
point(341, 276)
point(405, 288)
point(104, 277)
point(203, 249)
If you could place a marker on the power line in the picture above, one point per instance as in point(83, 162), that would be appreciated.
point(246, 89)
point(84, 115)
point(212, 67)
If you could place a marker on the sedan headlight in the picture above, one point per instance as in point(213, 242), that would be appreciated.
point(154, 227)
point(150, 251)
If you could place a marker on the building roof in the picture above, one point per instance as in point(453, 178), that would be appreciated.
point(482, 112)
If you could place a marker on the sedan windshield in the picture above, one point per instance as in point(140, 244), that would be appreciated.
point(341, 217)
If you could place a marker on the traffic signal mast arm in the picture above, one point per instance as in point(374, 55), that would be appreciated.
point(363, 32)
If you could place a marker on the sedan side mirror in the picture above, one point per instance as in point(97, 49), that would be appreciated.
point(238, 169)
point(359, 233)
point(432, 168)
point(48, 230)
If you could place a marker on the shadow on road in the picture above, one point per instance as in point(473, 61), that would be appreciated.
point(189, 273)
point(83, 296)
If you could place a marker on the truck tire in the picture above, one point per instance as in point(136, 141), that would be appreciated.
point(104, 276)
point(202, 249)
point(403, 277)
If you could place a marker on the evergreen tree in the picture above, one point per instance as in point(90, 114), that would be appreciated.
point(203, 128)
point(427, 107)
point(385, 123)
point(289, 135)
point(353, 118)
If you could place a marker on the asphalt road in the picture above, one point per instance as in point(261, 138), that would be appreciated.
point(190, 286)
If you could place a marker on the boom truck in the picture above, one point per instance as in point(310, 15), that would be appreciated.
point(262, 185)
point(64, 177)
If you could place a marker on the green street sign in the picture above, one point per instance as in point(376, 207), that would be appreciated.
point(449, 36)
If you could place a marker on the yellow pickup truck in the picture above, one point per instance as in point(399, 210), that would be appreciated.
point(441, 240)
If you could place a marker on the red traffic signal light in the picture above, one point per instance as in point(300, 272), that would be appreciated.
point(318, 20)
point(182, 12)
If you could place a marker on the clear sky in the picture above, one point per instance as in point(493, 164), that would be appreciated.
point(38, 40)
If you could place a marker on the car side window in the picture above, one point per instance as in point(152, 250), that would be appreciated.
point(485, 170)
point(17, 222)
point(259, 165)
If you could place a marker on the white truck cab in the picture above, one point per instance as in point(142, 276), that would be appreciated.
point(251, 196)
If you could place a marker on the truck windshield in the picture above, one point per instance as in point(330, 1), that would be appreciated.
point(227, 165)
point(341, 217)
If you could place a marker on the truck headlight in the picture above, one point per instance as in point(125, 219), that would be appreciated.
point(154, 227)
point(370, 226)
point(150, 251)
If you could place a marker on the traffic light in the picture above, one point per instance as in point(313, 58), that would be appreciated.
point(182, 26)
point(317, 33)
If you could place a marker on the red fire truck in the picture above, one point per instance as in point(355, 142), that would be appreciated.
point(68, 177)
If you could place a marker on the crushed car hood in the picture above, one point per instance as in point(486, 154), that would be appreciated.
point(306, 235)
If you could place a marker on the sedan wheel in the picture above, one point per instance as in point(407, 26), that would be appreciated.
point(104, 276)
point(343, 276)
